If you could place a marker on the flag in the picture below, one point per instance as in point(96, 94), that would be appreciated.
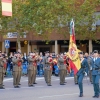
point(6, 7)
point(74, 61)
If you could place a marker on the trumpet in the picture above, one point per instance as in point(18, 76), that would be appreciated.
point(50, 59)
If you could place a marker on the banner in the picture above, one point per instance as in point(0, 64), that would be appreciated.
point(6, 7)
point(74, 62)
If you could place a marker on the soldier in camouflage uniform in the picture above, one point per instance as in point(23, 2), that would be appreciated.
point(1, 71)
point(31, 59)
point(62, 69)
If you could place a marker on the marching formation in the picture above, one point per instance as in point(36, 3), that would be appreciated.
point(90, 65)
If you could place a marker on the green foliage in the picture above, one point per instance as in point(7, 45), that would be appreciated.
point(43, 16)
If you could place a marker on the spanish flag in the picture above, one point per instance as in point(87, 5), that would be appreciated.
point(6, 7)
point(74, 61)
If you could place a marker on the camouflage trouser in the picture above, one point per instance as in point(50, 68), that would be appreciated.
point(75, 79)
point(30, 77)
point(45, 75)
point(49, 73)
point(62, 76)
point(1, 79)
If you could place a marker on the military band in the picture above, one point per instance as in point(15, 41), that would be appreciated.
point(89, 66)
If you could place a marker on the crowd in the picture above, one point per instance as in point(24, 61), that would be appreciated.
point(35, 63)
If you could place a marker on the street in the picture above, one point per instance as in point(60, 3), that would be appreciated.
point(41, 91)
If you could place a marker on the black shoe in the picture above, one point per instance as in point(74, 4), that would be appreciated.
point(2, 88)
point(62, 84)
point(81, 95)
point(65, 82)
point(97, 96)
point(94, 96)
point(15, 86)
point(76, 83)
point(34, 83)
point(49, 85)
point(19, 84)
point(18, 87)
point(31, 85)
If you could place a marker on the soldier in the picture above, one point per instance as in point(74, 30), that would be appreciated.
point(20, 66)
point(4, 64)
point(49, 62)
point(89, 60)
point(65, 64)
point(1, 72)
point(96, 73)
point(45, 65)
point(16, 70)
point(81, 73)
point(62, 68)
point(36, 58)
point(30, 69)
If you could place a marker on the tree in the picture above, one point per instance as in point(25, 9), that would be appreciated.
point(45, 16)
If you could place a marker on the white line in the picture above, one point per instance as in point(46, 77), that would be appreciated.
point(39, 79)
point(57, 95)
point(23, 88)
point(8, 79)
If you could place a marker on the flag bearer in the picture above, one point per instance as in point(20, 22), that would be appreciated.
point(81, 73)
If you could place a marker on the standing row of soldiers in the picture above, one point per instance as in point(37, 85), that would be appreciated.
point(33, 58)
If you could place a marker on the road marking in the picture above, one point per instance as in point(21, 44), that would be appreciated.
point(23, 88)
point(8, 79)
point(57, 95)
point(39, 79)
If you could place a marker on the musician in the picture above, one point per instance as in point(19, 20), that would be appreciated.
point(5, 58)
point(1, 71)
point(16, 69)
point(49, 62)
point(82, 72)
point(36, 59)
point(45, 65)
point(62, 68)
point(20, 57)
point(31, 59)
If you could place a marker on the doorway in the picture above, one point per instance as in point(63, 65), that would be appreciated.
point(12, 47)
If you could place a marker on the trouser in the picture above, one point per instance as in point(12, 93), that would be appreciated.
point(1, 79)
point(49, 73)
point(65, 73)
point(45, 75)
point(34, 74)
point(30, 77)
point(96, 84)
point(62, 76)
point(90, 75)
point(75, 78)
point(16, 78)
point(80, 84)
point(20, 73)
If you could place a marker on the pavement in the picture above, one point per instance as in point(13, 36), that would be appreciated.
point(41, 91)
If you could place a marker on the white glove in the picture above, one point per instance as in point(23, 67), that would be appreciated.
point(90, 67)
point(85, 74)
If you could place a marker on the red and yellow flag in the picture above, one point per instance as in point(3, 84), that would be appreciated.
point(6, 7)
point(74, 61)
